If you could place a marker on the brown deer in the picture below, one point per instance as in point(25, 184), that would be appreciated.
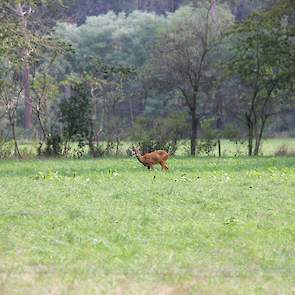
point(153, 158)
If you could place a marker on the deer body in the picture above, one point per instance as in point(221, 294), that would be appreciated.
point(153, 158)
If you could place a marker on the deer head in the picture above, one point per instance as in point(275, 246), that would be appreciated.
point(135, 152)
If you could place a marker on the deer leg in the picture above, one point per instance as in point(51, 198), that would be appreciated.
point(164, 165)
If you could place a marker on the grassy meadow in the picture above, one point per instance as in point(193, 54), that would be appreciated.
point(269, 147)
point(110, 226)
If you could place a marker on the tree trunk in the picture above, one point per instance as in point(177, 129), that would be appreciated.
point(250, 135)
point(195, 123)
point(41, 125)
point(258, 138)
point(219, 120)
point(28, 97)
point(117, 145)
point(131, 110)
point(12, 125)
point(219, 147)
point(26, 71)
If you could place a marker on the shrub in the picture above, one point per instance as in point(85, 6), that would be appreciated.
point(76, 116)
point(284, 150)
point(208, 141)
point(206, 146)
point(159, 133)
point(97, 150)
point(6, 149)
point(53, 146)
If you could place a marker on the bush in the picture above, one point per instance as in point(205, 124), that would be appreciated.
point(284, 150)
point(6, 149)
point(53, 146)
point(209, 138)
point(159, 133)
point(76, 116)
point(97, 150)
point(206, 146)
point(237, 136)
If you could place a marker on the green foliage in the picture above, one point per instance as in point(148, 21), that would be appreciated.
point(208, 141)
point(123, 39)
point(6, 149)
point(263, 58)
point(53, 146)
point(159, 133)
point(76, 114)
point(183, 60)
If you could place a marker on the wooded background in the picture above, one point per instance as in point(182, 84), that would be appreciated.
point(147, 72)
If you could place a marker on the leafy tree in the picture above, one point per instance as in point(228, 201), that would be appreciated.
point(10, 95)
point(76, 114)
point(264, 60)
point(160, 133)
point(45, 93)
point(24, 40)
point(108, 48)
point(116, 39)
point(182, 57)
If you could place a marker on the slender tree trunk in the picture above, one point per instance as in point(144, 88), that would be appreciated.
point(12, 125)
point(41, 125)
point(195, 123)
point(219, 147)
point(257, 147)
point(28, 97)
point(117, 145)
point(258, 138)
point(250, 136)
point(131, 110)
point(26, 72)
point(219, 120)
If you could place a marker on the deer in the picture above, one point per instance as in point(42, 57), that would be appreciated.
point(153, 158)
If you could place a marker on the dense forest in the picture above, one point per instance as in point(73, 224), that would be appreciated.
point(99, 72)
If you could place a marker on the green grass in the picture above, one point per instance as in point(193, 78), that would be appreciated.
point(208, 226)
point(228, 148)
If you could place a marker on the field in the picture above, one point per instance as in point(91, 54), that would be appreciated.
point(109, 226)
point(229, 148)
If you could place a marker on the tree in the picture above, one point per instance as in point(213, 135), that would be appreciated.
point(76, 115)
point(182, 57)
point(45, 93)
point(111, 42)
point(263, 58)
point(10, 94)
point(24, 39)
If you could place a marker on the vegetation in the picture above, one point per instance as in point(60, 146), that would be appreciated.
point(101, 78)
point(183, 58)
point(263, 59)
point(107, 226)
point(225, 62)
